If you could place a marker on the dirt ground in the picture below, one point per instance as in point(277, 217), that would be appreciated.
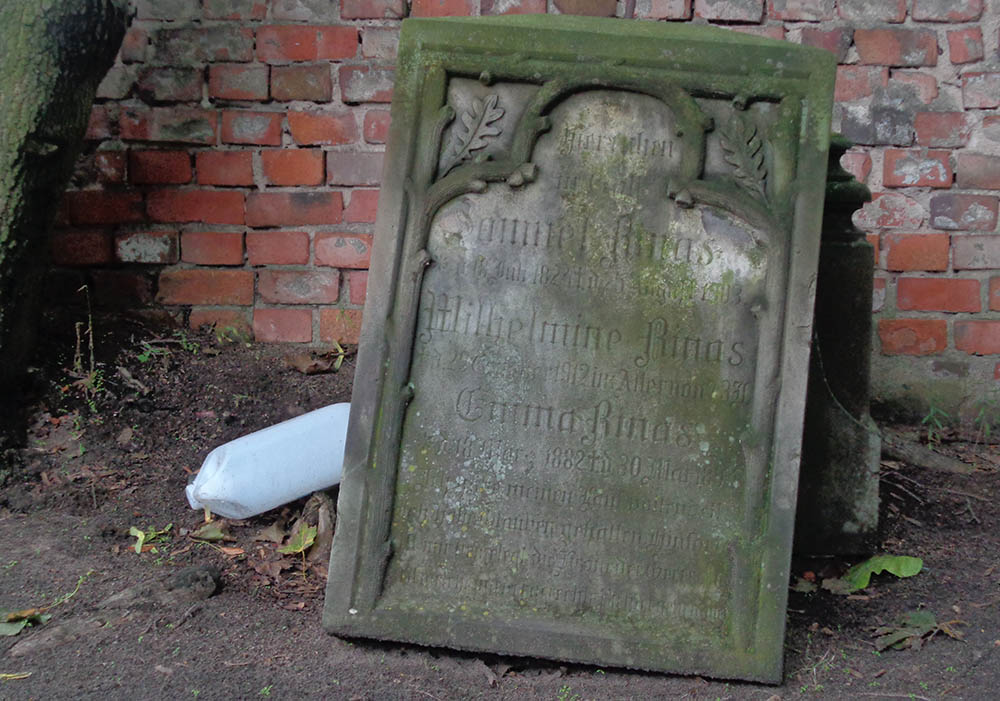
point(111, 446)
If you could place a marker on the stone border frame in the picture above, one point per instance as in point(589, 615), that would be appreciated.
point(620, 55)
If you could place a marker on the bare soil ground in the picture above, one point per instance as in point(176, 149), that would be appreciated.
point(113, 453)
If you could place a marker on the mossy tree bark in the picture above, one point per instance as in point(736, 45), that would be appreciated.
point(53, 55)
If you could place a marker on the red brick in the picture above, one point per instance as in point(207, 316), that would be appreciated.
point(980, 90)
point(730, 10)
point(890, 210)
point(856, 82)
point(366, 84)
point(155, 247)
point(946, 10)
point(994, 294)
point(194, 45)
point(212, 247)
point(313, 83)
point(235, 9)
point(858, 164)
point(209, 206)
point(340, 325)
point(110, 166)
point(337, 43)
point(866, 11)
point(978, 337)
point(81, 247)
point(170, 85)
point(357, 283)
point(916, 168)
point(351, 168)
point(372, 9)
point(975, 252)
point(443, 8)
point(376, 126)
point(837, 40)
point(246, 127)
point(658, 9)
point(286, 43)
point(278, 247)
point(956, 211)
point(951, 129)
point(282, 325)
point(937, 295)
point(187, 125)
point(293, 166)
point(965, 45)
point(978, 171)
point(362, 206)
point(266, 209)
point(159, 167)
point(238, 81)
point(117, 84)
point(896, 47)
point(916, 251)
point(298, 286)
point(322, 128)
point(800, 10)
point(99, 207)
point(222, 320)
point(912, 336)
point(99, 124)
point(135, 45)
point(924, 85)
point(234, 168)
point(343, 250)
point(206, 286)
point(382, 42)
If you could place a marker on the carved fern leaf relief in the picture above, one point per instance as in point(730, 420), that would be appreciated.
point(473, 133)
point(743, 149)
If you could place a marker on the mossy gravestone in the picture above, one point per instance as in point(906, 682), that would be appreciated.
point(576, 422)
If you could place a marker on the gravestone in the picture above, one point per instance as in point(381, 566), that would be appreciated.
point(578, 404)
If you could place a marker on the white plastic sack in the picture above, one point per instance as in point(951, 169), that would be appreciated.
point(273, 466)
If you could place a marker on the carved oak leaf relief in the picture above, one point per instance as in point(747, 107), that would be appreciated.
point(743, 149)
point(473, 133)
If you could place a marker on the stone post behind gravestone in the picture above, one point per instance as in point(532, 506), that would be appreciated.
point(577, 412)
point(841, 447)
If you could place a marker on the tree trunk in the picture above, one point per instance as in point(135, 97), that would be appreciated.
point(53, 55)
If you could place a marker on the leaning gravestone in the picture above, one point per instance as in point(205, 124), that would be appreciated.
point(578, 410)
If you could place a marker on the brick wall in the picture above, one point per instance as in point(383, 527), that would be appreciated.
point(234, 153)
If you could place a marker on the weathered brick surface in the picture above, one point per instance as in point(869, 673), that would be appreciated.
point(340, 250)
point(916, 168)
point(916, 251)
point(938, 295)
point(157, 247)
point(278, 247)
point(206, 287)
point(282, 325)
point(957, 211)
point(913, 336)
point(212, 247)
point(235, 152)
point(896, 47)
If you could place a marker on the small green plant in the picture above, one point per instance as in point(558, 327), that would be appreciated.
point(149, 537)
point(266, 691)
point(301, 541)
point(231, 334)
point(565, 693)
point(935, 421)
point(187, 345)
point(149, 351)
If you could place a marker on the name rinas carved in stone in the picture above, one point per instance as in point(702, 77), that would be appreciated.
point(595, 348)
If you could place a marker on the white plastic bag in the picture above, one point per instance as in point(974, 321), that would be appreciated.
point(273, 466)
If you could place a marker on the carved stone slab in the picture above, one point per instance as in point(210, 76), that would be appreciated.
point(576, 421)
